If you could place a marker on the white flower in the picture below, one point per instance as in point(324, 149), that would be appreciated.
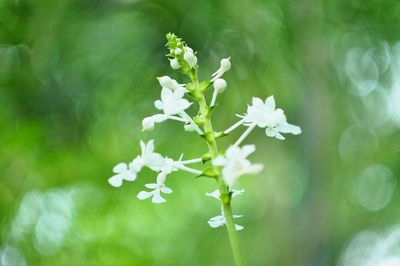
point(174, 63)
point(172, 102)
point(220, 85)
point(148, 123)
point(217, 194)
point(190, 58)
point(123, 172)
point(235, 164)
point(155, 193)
point(264, 115)
point(167, 82)
point(148, 158)
point(167, 167)
point(219, 221)
point(225, 65)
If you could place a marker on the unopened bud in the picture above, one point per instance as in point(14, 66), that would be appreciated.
point(220, 85)
point(225, 64)
point(147, 124)
point(174, 63)
point(189, 128)
point(190, 58)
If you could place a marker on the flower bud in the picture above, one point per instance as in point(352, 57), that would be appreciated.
point(147, 124)
point(190, 58)
point(189, 127)
point(220, 85)
point(174, 63)
point(225, 64)
point(167, 82)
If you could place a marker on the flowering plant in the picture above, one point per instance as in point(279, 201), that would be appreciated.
point(225, 167)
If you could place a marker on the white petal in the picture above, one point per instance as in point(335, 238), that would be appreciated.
point(183, 104)
point(154, 161)
point(257, 102)
point(255, 168)
point(120, 168)
point(151, 185)
point(178, 93)
point(219, 161)
point(166, 94)
point(159, 118)
point(238, 227)
point(270, 132)
point(214, 194)
point(157, 197)
point(289, 128)
point(159, 105)
point(149, 147)
point(279, 136)
point(236, 192)
point(247, 150)
point(129, 176)
point(270, 103)
point(115, 181)
point(144, 195)
point(166, 190)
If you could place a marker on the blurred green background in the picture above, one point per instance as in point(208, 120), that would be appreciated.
point(77, 77)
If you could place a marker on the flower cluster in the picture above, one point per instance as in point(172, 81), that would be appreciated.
point(176, 99)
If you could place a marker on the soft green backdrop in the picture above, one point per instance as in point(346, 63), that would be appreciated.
point(77, 77)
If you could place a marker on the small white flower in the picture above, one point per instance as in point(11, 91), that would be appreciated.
point(174, 63)
point(217, 194)
point(167, 167)
point(190, 58)
point(123, 172)
point(155, 193)
point(148, 158)
point(225, 65)
point(264, 115)
point(220, 85)
point(219, 221)
point(167, 82)
point(148, 123)
point(235, 163)
point(172, 102)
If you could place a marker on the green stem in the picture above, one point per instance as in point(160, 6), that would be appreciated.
point(213, 150)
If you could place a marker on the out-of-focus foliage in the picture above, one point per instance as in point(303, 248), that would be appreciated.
point(77, 77)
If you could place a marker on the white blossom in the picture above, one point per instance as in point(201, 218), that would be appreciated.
point(219, 221)
point(155, 193)
point(235, 163)
point(167, 82)
point(168, 166)
point(225, 65)
point(264, 115)
point(172, 102)
point(123, 172)
point(148, 158)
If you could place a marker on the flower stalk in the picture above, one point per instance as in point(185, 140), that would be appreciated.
point(223, 188)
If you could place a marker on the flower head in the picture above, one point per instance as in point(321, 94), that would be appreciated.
point(172, 102)
point(123, 172)
point(264, 115)
point(225, 65)
point(168, 166)
point(155, 194)
point(148, 158)
point(235, 163)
